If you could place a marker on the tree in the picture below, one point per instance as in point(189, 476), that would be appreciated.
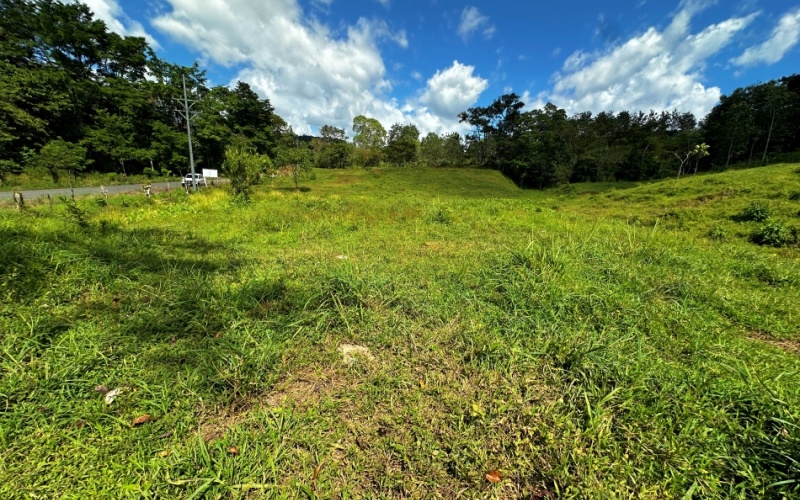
point(58, 155)
point(696, 152)
point(369, 139)
point(431, 150)
point(297, 161)
point(329, 133)
point(370, 134)
point(403, 144)
point(332, 150)
point(774, 101)
point(244, 166)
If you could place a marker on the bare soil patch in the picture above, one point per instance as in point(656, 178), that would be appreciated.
point(790, 346)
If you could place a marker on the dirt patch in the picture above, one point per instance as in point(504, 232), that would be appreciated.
point(790, 346)
point(303, 389)
point(214, 426)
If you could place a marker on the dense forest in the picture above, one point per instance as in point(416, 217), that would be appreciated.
point(75, 96)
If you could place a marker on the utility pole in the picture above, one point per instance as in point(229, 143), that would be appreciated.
point(188, 116)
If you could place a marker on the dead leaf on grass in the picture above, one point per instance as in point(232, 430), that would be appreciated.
point(315, 476)
point(101, 389)
point(233, 450)
point(165, 435)
point(141, 420)
point(164, 454)
point(493, 476)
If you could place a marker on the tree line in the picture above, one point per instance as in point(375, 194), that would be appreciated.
point(75, 96)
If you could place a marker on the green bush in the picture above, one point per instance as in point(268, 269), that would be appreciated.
point(754, 212)
point(150, 172)
point(774, 234)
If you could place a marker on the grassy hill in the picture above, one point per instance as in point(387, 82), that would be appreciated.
point(402, 333)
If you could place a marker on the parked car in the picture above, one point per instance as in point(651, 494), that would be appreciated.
point(187, 180)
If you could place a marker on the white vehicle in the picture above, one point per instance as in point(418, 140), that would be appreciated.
point(187, 180)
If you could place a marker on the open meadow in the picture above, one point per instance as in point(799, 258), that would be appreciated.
point(406, 333)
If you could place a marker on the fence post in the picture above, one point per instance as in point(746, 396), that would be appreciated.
point(19, 200)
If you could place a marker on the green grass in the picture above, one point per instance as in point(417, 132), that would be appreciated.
point(41, 180)
point(594, 341)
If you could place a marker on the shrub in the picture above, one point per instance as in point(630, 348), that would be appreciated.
point(150, 172)
point(244, 168)
point(774, 234)
point(718, 233)
point(755, 212)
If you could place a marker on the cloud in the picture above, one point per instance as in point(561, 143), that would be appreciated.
point(654, 70)
point(385, 3)
point(471, 21)
point(784, 37)
point(112, 14)
point(453, 90)
point(312, 75)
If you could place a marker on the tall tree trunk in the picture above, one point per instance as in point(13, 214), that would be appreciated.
point(730, 152)
point(769, 136)
point(752, 148)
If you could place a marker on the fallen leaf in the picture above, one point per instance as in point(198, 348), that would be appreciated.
point(141, 420)
point(543, 493)
point(101, 389)
point(165, 435)
point(112, 395)
point(421, 384)
point(493, 476)
point(315, 476)
point(164, 454)
point(233, 450)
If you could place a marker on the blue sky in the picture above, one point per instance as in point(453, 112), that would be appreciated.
point(423, 61)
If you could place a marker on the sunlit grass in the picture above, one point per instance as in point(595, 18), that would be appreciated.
point(590, 341)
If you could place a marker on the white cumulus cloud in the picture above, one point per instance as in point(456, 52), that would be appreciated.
point(312, 75)
point(784, 37)
point(654, 70)
point(473, 20)
point(453, 90)
point(112, 14)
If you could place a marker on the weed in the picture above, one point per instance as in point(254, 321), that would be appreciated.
point(718, 233)
point(754, 212)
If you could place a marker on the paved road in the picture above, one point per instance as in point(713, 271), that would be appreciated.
point(127, 188)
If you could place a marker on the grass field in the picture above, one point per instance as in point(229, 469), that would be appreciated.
point(41, 180)
point(402, 333)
